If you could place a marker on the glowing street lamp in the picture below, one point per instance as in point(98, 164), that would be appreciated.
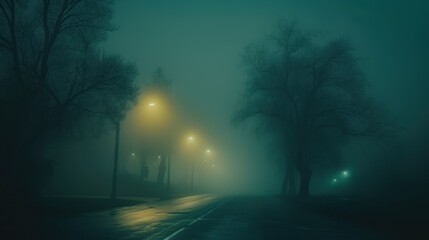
point(155, 119)
point(345, 173)
point(208, 154)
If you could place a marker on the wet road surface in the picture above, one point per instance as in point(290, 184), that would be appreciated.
point(145, 221)
point(196, 217)
point(268, 218)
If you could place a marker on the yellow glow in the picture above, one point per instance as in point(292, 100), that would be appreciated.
point(189, 145)
point(154, 116)
point(143, 218)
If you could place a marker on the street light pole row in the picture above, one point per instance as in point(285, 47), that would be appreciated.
point(207, 152)
point(190, 139)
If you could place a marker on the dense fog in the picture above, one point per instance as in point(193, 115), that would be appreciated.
point(190, 60)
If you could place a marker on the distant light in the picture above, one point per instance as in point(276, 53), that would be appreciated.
point(133, 154)
point(151, 104)
point(345, 173)
point(190, 138)
point(159, 157)
point(334, 180)
point(208, 151)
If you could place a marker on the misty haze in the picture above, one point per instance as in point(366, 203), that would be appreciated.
point(142, 119)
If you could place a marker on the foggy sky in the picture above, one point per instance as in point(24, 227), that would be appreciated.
point(198, 44)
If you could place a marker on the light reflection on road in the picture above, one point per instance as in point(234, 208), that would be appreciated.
point(133, 222)
point(158, 212)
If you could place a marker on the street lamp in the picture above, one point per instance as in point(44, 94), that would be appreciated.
point(345, 173)
point(156, 123)
point(208, 153)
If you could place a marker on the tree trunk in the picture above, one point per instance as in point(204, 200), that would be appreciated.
point(302, 166)
point(289, 183)
point(285, 185)
point(305, 176)
point(115, 163)
point(292, 182)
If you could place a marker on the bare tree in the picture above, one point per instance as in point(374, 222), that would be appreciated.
point(310, 93)
point(57, 79)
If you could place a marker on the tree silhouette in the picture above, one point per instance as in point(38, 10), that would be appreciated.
point(56, 80)
point(310, 94)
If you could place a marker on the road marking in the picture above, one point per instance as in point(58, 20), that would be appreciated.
point(207, 213)
point(189, 224)
point(194, 221)
point(174, 234)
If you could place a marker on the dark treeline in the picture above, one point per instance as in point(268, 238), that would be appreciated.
point(55, 82)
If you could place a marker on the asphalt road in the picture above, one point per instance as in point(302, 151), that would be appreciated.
point(144, 221)
point(267, 218)
point(196, 217)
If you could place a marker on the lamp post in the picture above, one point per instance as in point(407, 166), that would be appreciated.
point(168, 171)
point(207, 161)
point(116, 120)
point(191, 141)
